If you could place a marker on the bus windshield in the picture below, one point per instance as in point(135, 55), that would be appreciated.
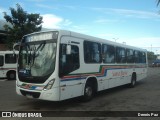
point(36, 60)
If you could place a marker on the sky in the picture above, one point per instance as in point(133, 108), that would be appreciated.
point(131, 22)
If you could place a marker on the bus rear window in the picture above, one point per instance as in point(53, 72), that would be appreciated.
point(1, 60)
point(10, 58)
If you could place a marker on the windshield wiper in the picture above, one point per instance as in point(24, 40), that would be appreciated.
point(32, 54)
point(36, 51)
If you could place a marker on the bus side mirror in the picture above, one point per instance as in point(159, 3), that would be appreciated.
point(68, 51)
point(16, 47)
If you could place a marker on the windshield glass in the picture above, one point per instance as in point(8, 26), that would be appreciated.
point(36, 60)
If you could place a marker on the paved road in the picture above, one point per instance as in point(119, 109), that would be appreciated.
point(144, 97)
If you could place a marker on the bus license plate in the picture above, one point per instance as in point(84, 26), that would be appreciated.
point(29, 96)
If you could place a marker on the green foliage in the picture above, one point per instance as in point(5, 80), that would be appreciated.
point(22, 23)
point(158, 2)
point(151, 56)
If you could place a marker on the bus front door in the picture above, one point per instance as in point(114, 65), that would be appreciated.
point(1, 66)
point(70, 80)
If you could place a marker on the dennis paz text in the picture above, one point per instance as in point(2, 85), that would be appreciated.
point(148, 114)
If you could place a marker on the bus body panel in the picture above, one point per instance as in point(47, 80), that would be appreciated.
point(68, 86)
point(7, 67)
point(73, 84)
point(50, 95)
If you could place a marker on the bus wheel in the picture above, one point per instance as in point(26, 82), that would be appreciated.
point(11, 75)
point(88, 92)
point(133, 81)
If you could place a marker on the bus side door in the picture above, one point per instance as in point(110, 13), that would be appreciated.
point(1, 66)
point(69, 68)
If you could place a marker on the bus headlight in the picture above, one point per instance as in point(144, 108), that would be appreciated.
point(49, 85)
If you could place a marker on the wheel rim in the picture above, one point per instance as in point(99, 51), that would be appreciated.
point(133, 82)
point(12, 76)
point(88, 91)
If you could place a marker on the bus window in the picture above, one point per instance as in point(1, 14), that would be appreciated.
point(142, 57)
point(92, 52)
point(136, 56)
point(68, 63)
point(10, 58)
point(120, 55)
point(129, 56)
point(108, 52)
point(1, 60)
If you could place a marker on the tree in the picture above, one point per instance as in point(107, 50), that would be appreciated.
point(22, 23)
point(151, 56)
point(158, 2)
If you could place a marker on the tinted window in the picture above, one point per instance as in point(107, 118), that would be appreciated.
point(108, 53)
point(1, 60)
point(136, 56)
point(68, 63)
point(10, 58)
point(120, 55)
point(142, 57)
point(92, 52)
point(130, 56)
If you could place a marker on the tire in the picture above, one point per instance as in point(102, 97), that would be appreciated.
point(88, 92)
point(11, 75)
point(133, 81)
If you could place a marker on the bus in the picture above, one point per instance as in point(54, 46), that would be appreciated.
point(8, 65)
point(58, 65)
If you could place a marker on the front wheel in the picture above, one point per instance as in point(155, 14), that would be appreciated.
point(88, 92)
point(11, 75)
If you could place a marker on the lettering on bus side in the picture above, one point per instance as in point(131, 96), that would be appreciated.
point(119, 73)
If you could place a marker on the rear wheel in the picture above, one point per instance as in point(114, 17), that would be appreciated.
point(133, 81)
point(11, 75)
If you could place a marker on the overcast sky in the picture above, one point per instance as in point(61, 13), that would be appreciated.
point(134, 22)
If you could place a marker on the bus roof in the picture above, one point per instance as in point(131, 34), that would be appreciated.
point(90, 38)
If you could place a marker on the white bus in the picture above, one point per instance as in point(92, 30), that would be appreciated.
point(8, 65)
point(58, 65)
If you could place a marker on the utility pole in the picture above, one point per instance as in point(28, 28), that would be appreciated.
point(115, 39)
